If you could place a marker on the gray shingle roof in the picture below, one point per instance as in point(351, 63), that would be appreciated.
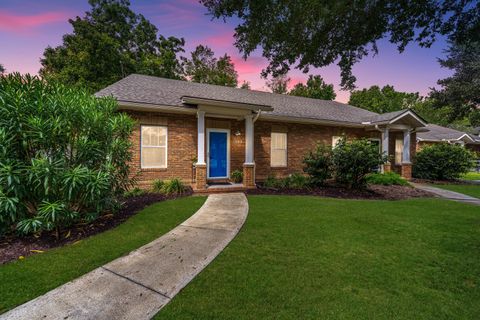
point(385, 116)
point(439, 133)
point(161, 91)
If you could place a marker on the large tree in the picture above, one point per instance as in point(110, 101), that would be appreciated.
point(204, 67)
point(306, 33)
point(461, 91)
point(315, 88)
point(382, 100)
point(108, 43)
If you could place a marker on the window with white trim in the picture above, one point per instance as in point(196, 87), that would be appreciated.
point(398, 151)
point(335, 140)
point(278, 154)
point(153, 147)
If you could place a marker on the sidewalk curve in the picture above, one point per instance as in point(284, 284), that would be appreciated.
point(139, 284)
point(447, 194)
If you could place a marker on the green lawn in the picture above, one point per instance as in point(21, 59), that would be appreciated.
point(23, 280)
point(468, 189)
point(471, 176)
point(313, 258)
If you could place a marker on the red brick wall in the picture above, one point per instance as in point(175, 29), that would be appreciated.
point(182, 144)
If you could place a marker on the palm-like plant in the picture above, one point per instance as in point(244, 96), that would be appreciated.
point(64, 154)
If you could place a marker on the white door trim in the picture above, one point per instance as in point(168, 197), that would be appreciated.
point(227, 131)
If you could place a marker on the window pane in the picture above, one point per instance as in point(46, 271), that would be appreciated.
point(335, 140)
point(154, 157)
point(279, 140)
point(398, 151)
point(154, 136)
point(279, 158)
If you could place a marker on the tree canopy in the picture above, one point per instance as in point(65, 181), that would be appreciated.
point(2, 69)
point(311, 33)
point(315, 88)
point(279, 84)
point(461, 91)
point(203, 67)
point(108, 43)
point(382, 100)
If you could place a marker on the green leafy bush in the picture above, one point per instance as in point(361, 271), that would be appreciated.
point(293, 181)
point(237, 176)
point(134, 192)
point(386, 179)
point(174, 186)
point(64, 154)
point(158, 185)
point(318, 164)
point(354, 160)
point(442, 161)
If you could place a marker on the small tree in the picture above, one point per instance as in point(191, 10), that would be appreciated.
point(64, 154)
point(318, 164)
point(353, 161)
point(442, 161)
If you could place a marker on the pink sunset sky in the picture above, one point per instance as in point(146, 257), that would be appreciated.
point(27, 27)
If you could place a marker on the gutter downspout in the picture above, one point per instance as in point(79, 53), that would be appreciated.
point(258, 115)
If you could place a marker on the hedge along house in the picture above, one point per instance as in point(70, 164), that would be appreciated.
point(201, 133)
point(438, 134)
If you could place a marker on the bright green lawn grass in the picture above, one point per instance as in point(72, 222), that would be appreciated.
point(23, 280)
point(471, 176)
point(313, 258)
point(468, 189)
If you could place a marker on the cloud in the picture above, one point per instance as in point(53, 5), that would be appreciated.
point(251, 65)
point(12, 22)
point(220, 40)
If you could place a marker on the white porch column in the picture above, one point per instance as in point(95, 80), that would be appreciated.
point(385, 146)
point(406, 147)
point(249, 139)
point(201, 137)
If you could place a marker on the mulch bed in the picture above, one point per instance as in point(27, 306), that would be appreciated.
point(374, 192)
point(13, 247)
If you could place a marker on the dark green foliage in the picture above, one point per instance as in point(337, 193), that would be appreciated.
point(386, 179)
point(318, 164)
point(316, 88)
point(63, 154)
point(461, 91)
point(158, 185)
point(383, 100)
point(237, 176)
point(312, 33)
point(108, 43)
point(474, 118)
point(354, 160)
point(174, 186)
point(442, 161)
point(203, 67)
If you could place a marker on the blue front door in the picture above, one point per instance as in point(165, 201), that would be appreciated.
point(217, 159)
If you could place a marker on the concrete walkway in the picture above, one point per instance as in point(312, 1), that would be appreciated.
point(138, 285)
point(447, 194)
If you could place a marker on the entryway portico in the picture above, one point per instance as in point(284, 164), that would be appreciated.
point(214, 144)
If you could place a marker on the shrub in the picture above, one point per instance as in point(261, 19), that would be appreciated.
point(174, 186)
point(271, 182)
point(386, 179)
point(353, 161)
point(296, 181)
point(64, 154)
point(442, 161)
point(237, 176)
point(318, 164)
point(135, 192)
point(157, 185)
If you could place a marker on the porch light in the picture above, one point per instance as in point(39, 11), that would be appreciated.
point(237, 133)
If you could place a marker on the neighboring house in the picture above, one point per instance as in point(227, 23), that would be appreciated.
point(201, 133)
point(437, 134)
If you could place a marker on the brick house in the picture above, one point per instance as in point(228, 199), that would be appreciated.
point(438, 134)
point(202, 133)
